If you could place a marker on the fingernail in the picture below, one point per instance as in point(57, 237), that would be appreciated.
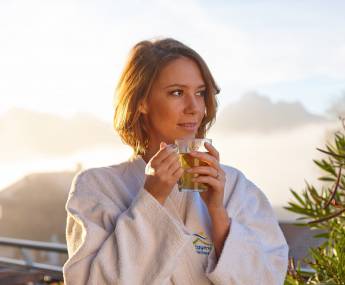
point(189, 170)
point(162, 145)
point(173, 147)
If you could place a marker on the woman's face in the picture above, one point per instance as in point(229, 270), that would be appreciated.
point(176, 105)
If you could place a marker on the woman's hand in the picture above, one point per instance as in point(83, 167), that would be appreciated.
point(166, 171)
point(212, 175)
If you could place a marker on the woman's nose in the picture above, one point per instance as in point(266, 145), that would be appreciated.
point(192, 104)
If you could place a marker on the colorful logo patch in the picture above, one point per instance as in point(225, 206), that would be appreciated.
point(201, 244)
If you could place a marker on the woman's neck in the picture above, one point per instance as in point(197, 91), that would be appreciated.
point(146, 157)
point(150, 152)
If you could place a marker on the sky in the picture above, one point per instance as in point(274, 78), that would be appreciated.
point(64, 58)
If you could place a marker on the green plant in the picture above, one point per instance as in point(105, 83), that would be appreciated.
point(323, 209)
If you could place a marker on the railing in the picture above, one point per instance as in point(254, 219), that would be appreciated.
point(50, 273)
point(300, 240)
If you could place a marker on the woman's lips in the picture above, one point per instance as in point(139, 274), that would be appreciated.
point(188, 126)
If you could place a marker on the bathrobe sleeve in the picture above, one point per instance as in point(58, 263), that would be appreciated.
point(255, 251)
point(108, 244)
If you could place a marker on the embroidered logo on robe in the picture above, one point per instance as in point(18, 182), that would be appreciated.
point(201, 243)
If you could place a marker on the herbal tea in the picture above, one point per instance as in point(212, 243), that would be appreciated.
point(185, 183)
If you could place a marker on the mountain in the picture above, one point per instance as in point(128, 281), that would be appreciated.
point(257, 113)
point(34, 207)
point(337, 108)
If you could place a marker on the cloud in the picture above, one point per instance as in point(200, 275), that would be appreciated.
point(26, 133)
point(257, 113)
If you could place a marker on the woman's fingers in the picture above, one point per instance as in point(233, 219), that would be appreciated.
point(161, 155)
point(205, 170)
point(211, 157)
point(164, 164)
point(171, 163)
point(204, 156)
point(209, 180)
point(174, 164)
point(178, 172)
point(166, 161)
point(212, 150)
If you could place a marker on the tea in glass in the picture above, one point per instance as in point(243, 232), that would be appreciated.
point(184, 147)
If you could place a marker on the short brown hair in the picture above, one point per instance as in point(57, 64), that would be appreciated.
point(145, 61)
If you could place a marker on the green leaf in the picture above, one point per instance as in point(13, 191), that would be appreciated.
point(323, 235)
point(326, 178)
point(297, 197)
point(316, 197)
point(323, 164)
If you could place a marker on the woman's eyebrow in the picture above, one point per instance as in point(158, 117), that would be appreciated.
point(183, 85)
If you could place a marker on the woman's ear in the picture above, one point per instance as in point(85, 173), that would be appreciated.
point(143, 108)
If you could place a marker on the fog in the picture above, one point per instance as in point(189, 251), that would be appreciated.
point(273, 144)
point(275, 162)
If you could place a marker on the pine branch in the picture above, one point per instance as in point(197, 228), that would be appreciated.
point(324, 210)
point(331, 153)
point(336, 214)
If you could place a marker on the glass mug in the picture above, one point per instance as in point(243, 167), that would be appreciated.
point(184, 147)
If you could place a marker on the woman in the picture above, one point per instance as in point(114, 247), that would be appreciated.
point(125, 227)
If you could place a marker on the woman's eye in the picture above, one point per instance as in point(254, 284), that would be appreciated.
point(202, 93)
point(179, 92)
point(176, 92)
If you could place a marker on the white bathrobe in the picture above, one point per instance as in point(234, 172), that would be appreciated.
point(118, 233)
